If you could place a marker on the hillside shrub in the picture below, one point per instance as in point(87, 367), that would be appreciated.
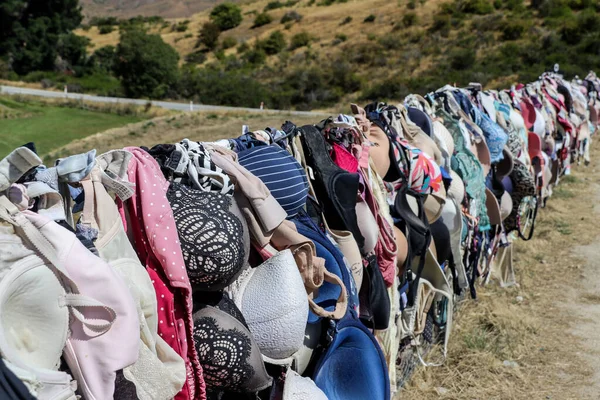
point(479, 7)
point(105, 29)
point(255, 56)
point(369, 18)
point(274, 44)
point(262, 19)
point(553, 8)
point(461, 59)
point(228, 42)
point(513, 29)
point(300, 40)
point(410, 19)
point(209, 35)
point(226, 16)
point(346, 20)
point(197, 57)
point(291, 16)
point(181, 26)
point(273, 5)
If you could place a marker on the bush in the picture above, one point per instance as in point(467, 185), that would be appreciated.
point(256, 56)
point(553, 8)
point(273, 5)
point(411, 5)
point(226, 16)
point(243, 47)
point(513, 29)
point(274, 44)
point(105, 29)
point(197, 57)
point(369, 18)
point(99, 21)
point(300, 40)
point(209, 35)
point(291, 16)
point(147, 66)
point(441, 24)
point(346, 20)
point(342, 37)
point(228, 42)
point(262, 19)
point(410, 19)
point(180, 26)
point(480, 7)
point(589, 21)
point(461, 59)
point(390, 42)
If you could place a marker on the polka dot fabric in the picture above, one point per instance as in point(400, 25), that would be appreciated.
point(155, 239)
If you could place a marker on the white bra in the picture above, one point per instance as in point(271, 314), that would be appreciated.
point(273, 300)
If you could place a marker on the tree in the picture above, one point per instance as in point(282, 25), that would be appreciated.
point(209, 35)
point(146, 65)
point(30, 31)
point(226, 16)
point(104, 58)
point(72, 48)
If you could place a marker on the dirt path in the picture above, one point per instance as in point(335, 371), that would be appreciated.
point(584, 305)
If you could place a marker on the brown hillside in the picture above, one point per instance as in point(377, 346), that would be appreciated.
point(132, 8)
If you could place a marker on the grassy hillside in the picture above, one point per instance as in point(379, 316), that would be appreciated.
point(335, 51)
point(50, 126)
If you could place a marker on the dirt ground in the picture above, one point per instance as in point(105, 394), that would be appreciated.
point(540, 339)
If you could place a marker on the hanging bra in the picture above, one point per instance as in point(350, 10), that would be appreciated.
point(230, 358)
point(159, 372)
point(335, 188)
point(211, 236)
point(281, 173)
point(273, 301)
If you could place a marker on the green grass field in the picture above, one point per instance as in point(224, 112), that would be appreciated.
point(49, 126)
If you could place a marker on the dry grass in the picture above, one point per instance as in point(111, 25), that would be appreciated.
point(30, 85)
point(200, 126)
point(534, 333)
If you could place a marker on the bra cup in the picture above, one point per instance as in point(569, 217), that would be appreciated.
point(297, 387)
point(273, 302)
point(211, 237)
point(353, 367)
point(29, 310)
point(230, 358)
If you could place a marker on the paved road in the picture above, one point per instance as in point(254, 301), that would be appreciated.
point(164, 104)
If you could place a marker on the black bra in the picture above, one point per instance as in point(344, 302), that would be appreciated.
point(335, 188)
